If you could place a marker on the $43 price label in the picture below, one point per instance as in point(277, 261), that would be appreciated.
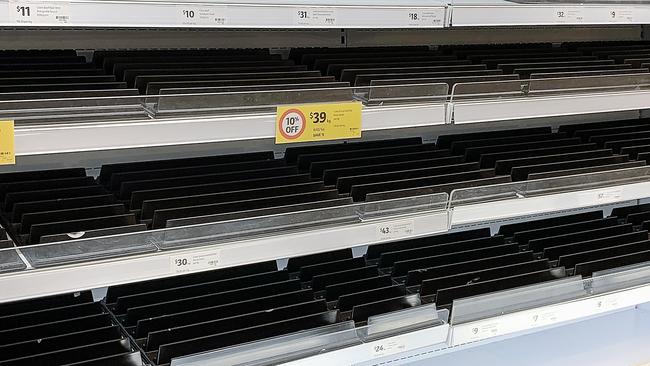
point(318, 122)
point(394, 230)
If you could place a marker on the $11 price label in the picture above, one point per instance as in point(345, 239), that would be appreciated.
point(318, 122)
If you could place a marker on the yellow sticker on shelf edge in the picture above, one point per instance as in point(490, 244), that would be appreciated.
point(7, 151)
point(318, 122)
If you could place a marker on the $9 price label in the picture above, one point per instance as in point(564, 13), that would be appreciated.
point(318, 122)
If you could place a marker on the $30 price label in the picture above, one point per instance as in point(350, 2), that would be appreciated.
point(318, 122)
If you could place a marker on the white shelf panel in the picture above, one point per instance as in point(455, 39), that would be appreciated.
point(165, 132)
point(77, 277)
point(550, 106)
point(529, 320)
point(216, 14)
point(502, 13)
point(498, 210)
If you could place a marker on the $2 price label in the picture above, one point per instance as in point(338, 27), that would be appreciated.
point(318, 122)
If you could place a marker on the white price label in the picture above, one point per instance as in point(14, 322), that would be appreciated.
point(39, 12)
point(424, 18)
point(204, 15)
point(600, 197)
point(315, 16)
point(565, 15)
point(620, 15)
point(395, 230)
point(611, 195)
point(387, 347)
point(543, 318)
point(408, 342)
point(193, 262)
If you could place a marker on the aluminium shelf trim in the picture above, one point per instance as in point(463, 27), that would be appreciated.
point(525, 206)
point(49, 139)
point(202, 14)
point(476, 111)
point(503, 13)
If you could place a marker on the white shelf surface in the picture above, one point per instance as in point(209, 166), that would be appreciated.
point(526, 206)
point(79, 137)
point(617, 338)
point(61, 138)
point(223, 14)
point(504, 13)
point(475, 111)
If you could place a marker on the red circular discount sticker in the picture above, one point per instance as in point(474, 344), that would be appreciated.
point(292, 124)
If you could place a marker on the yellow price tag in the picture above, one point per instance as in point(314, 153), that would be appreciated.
point(7, 151)
point(318, 122)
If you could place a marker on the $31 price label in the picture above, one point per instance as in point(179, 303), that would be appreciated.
point(318, 122)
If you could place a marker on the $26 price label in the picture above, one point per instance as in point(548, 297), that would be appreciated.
point(318, 122)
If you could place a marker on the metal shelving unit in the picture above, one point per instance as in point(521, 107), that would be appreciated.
point(48, 269)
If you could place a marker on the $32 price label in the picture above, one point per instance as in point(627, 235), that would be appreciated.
point(318, 122)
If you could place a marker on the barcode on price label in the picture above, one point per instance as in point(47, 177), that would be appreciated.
point(395, 230)
point(194, 262)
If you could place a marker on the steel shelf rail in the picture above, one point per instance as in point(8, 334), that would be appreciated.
point(468, 13)
point(222, 14)
point(298, 14)
point(548, 97)
point(47, 126)
point(79, 137)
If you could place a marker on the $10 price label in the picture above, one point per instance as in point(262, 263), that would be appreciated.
point(318, 122)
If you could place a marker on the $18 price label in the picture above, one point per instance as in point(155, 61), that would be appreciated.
point(318, 122)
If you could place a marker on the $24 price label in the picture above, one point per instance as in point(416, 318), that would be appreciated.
point(318, 122)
